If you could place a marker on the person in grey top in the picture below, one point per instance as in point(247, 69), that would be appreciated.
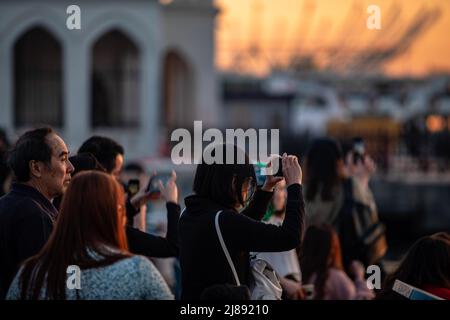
point(87, 255)
point(134, 278)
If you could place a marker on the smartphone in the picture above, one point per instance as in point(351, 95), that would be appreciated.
point(260, 178)
point(133, 186)
point(359, 150)
point(153, 186)
point(279, 172)
point(411, 292)
point(261, 167)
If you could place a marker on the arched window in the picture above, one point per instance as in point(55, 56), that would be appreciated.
point(115, 98)
point(177, 95)
point(37, 79)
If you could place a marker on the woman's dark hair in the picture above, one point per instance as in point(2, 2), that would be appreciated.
point(104, 149)
point(215, 181)
point(321, 174)
point(320, 251)
point(91, 218)
point(225, 292)
point(85, 161)
point(427, 262)
point(32, 145)
point(134, 167)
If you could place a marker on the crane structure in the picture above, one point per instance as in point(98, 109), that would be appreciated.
point(347, 53)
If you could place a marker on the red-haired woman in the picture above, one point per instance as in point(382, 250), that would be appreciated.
point(90, 234)
point(321, 265)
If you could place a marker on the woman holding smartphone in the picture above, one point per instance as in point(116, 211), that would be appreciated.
point(228, 188)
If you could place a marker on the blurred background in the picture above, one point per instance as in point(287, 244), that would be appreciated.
point(312, 68)
point(139, 69)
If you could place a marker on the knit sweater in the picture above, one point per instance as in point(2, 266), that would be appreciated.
point(134, 278)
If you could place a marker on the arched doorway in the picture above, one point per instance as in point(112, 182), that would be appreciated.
point(38, 79)
point(178, 92)
point(115, 94)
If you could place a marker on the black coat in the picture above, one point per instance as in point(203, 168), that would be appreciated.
point(25, 225)
point(203, 262)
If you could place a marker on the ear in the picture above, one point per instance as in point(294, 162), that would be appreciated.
point(342, 169)
point(35, 168)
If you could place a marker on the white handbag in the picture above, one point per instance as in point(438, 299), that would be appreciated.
point(265, 282)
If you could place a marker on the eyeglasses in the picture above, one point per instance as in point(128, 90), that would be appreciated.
point(251, 190)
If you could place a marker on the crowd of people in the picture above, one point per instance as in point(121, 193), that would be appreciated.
point(301, 235)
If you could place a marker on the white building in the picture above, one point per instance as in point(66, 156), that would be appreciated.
point(135, 70)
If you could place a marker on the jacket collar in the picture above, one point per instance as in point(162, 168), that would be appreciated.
point(195, 203)
point(28, 191)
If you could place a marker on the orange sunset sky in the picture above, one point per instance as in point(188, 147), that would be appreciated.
point(280, 28)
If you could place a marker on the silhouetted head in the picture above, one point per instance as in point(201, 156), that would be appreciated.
point(107, 151)
point(230, 184)
point(320, 251)
point(41, 158)
point(324, 169)
point(427, 263)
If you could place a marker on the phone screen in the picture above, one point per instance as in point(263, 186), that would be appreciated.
point(359, 150)
point(262, 169)
point(153, 186)
point(133, 187)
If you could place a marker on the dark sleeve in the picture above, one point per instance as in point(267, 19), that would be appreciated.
point(243, 233)
point(258, 205)
point(173, 216)
point(131, 212)
point(33, 231)
point(154, 246)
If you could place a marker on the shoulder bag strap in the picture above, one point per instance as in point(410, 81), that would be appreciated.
point(182, 212)
point(225, 250)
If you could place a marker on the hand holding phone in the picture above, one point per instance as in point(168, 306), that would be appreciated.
point(153, 183)
point(168, 188)
point(150, 192)
point(359, 150)
point(291, 170)
point(275, 165)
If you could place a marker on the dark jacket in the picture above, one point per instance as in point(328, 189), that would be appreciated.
point(203, 262)
point(25, 225)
